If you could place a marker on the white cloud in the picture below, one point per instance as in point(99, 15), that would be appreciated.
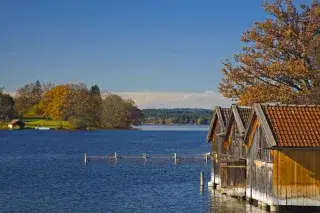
point(147, 99)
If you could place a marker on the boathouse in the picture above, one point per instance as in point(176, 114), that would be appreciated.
point(232, 155)
point(283, 155)
point(16, 124)
point(215, 136)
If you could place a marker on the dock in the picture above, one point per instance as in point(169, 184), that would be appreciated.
point(175, 158)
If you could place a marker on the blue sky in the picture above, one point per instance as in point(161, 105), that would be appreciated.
point(124, 46)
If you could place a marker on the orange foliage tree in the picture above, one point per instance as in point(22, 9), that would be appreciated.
point(275, 64)
point(55, 103)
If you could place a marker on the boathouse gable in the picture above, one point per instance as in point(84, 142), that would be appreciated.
point(283, 148)
point(218, 123)
point(216, 136)
point(236, 128)
point(232, 155)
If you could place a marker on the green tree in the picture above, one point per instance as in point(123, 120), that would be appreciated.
point(95, 89)
point(95, 108)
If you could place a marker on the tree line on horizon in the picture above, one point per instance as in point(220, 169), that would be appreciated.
point(280, 58)
point(81, 106)
point(177, 116)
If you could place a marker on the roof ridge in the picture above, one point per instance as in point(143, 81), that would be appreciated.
point(292, 105)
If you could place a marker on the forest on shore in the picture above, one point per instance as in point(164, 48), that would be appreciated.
point(177, 116)
point(71, 106)
point(75, 106)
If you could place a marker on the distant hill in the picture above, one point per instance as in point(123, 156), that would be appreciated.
point(177, 116)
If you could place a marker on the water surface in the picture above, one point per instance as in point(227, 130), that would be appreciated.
point(43, 171)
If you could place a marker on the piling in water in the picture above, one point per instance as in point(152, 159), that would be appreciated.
point(201, 178)
point(115, 157)
point(85, 157)
point(175, 158)
point(206, 157)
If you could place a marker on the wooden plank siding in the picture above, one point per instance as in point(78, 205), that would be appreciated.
point(216, 136)
point(270, 154)
point(259, 167)
point(233, 154)
point(282, 176)
point(215, 167)
point(296, 177)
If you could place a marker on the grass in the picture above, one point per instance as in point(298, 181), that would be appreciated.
point(3, 125)
point(35, 122)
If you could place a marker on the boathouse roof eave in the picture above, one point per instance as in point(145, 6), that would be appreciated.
point(216, 118)
point(249, 125)
point(258, 111)
point(291, 148)
point(211, 127)
point(235, 115)
point(237, 118)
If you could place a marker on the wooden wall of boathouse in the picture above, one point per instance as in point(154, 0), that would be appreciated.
point(233, 153)
point(216, 137)
point(281, 176)
point(215, 164)
point(259, 167)
point(233, 163)
point(296, 177)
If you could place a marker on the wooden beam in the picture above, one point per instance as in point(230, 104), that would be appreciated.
point(212, 124)
point(238, 119)
point(234, 167)
point(249, 125)
point(220, 117)
point(265, 125)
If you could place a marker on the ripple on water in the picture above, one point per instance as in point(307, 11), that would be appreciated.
point(43, 172)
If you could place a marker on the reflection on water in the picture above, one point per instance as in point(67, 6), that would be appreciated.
point(222, 203)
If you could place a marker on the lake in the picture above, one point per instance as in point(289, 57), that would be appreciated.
point(43, 171)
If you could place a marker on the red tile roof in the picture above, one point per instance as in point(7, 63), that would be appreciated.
point(294, 126)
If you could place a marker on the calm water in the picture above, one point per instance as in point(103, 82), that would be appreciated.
point(43, 171)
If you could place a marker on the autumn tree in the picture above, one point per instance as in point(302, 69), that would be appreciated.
point(85, 106)
point(313, 95)
point(275, 64)
point(79, 112)
point(74, 103)
point(118, 113)
point(6, 106)
point(27, 98)
point(55, 103)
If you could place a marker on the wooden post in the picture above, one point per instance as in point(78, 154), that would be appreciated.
point(264, 206)
point(274, 208)
point(144, 156)
point(85, 157)
point(206, 157)
point(175, 158)
point(201, 182)
point(115, 157)
point(201, 178)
